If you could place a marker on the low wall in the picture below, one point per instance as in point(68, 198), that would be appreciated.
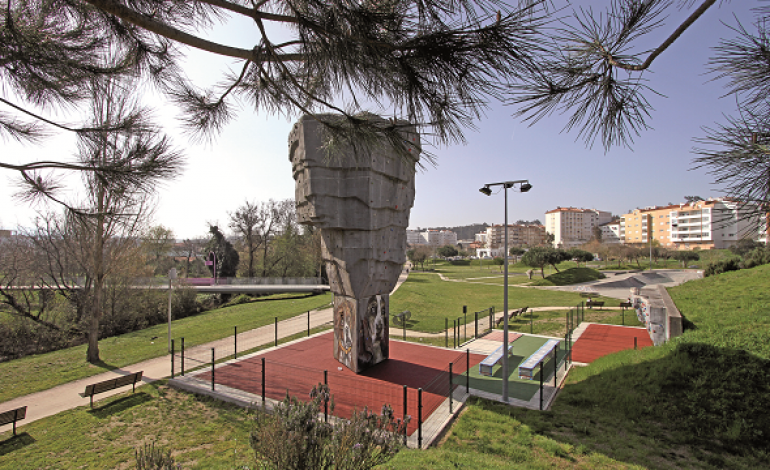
point(657, 312)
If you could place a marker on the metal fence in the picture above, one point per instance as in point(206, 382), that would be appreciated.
point(274, 380)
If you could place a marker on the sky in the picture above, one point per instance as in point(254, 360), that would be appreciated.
point(249, 159)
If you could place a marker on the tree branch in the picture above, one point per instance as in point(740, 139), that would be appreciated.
point(177, 35)
point(660, 49)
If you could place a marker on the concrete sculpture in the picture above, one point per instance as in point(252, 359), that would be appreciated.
point(361, 205)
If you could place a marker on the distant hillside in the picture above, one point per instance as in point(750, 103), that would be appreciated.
point(466, 231)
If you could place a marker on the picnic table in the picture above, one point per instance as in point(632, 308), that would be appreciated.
point(527, 368)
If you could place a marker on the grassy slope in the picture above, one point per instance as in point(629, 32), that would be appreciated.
point(698, 402)
point(570, 276)
point(431, 300)
point(34, 373)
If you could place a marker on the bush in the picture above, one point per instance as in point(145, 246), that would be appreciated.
point(151, 458)
point(757, 257)
point(723, 266)
point(293, 436)
point(239, 299)
point(498, 261)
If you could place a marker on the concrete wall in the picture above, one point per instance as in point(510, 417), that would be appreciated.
point(657, 311)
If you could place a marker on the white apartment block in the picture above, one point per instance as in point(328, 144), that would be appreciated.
point(434, 238)
point(716, 223)
point(611, 233)
point(413, 237)
point(571, 226)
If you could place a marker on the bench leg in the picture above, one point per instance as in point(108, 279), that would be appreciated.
point(14, 427)
point(92, 400)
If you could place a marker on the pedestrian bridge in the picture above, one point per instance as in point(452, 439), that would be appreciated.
point(208, 285)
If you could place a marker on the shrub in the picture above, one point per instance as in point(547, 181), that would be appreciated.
point(757, 257)
point(239, 299)
point(152, 458)
point(722, 266)
point(293, 436)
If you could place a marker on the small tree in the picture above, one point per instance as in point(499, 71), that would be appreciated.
point(516, 251)
point(447, 251)
point(419, 255)
point(686, 256)
point(537, 257)
point(580, 256)
point(227, 257)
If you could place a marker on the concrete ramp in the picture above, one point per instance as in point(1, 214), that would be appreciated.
point(629, 282)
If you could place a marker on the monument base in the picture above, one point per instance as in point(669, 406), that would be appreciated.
point(361, 331)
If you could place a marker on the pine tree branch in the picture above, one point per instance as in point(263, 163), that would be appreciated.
point(177, 35)
point(660, 49)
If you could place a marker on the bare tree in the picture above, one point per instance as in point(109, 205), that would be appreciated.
point(80, 250)
point(245, 222)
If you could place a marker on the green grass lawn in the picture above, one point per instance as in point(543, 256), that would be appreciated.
point(40, 372)
point(699, 402)
point(431, 300)
point(570, 276)
point(202, 433)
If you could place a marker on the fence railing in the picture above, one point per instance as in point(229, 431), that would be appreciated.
point(268, 379)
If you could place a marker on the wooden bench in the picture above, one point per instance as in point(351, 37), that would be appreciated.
point(514, 314)
point(591, 305)
point(112, 384)
point(625, 305)
point(12, 416)
point(527, 368)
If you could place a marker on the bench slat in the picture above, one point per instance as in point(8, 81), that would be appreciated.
point(11, 416)
point(111, 384)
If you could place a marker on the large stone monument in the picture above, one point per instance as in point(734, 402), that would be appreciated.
point(361, 205)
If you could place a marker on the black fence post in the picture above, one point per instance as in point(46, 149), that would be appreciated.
point(235, 342)
point(276, 331)
point(476, 325)
point(454, 334)
point(566, 321)
point(446, 332)
point(467, 371)
point(490, 319)
point(457, 332)
point(555, 364)
point(181, 357)
point(406, 413)
point(623, 316)
point(635, 344)
point(263, 381)
point(465, 321)
point(326, 400)
point(172, 358)
point(419, 418)
point(212, 369)
point(403, 327)
point(308, 323)
point(541, 386)
point(450, 388)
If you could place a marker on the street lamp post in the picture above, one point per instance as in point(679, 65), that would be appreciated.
point(171, 277)
point(524, 186)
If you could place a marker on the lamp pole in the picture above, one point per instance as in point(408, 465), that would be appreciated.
point(171, 277)
point(505, 301)
point(524, 186)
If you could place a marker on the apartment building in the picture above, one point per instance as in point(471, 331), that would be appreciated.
point(518, 235)
point(433, 238)
point(571, 226)
point(611, 232)
point(715, 223)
